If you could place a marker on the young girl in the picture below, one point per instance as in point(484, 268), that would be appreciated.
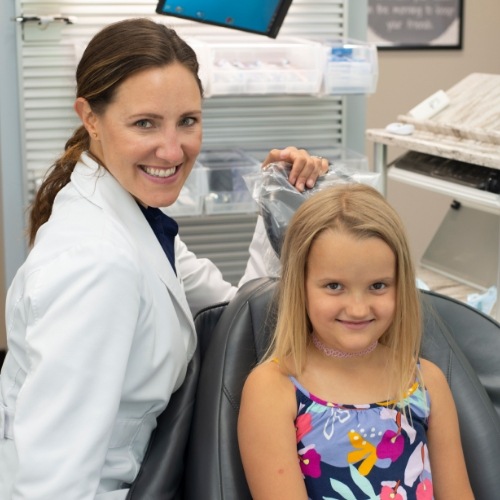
point(342, 407)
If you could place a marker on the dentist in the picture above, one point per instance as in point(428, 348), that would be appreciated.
point(99, 317)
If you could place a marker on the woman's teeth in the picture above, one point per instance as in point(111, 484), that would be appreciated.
point(159, 172)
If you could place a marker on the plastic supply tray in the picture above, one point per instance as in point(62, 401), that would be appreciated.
point(345, 158)
point(341, 157)
point(351, 67)
point(227, 190)
point(192, 195)
point(250, 65)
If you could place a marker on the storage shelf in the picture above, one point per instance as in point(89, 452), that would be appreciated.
point(251, 65)
point(423, 141)
point(474, 198)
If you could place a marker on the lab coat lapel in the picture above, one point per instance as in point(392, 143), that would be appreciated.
point(102, 189)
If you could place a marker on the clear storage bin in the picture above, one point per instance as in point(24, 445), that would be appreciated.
point(341, 157)
point(192, 195)
point(253, 65)
point(227, 190)
point(351, 67)
point(344, 158)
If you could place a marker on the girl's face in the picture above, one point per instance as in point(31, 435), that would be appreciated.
point(350, 289)
point(150, 135)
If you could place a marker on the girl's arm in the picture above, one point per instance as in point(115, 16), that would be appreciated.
point(449, 473)
point(267, 436)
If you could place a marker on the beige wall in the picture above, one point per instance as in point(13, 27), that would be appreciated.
point(407, 78)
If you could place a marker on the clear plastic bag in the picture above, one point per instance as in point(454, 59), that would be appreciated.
point(278, 199)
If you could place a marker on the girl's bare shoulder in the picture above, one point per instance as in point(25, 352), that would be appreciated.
point(431, 371)
point(269, 371)
point(268, 380)
point(434, 378)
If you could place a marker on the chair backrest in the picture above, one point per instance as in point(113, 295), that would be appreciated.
point(462, 341)
point(161, 474)
point(477, 336)
point(239, 340)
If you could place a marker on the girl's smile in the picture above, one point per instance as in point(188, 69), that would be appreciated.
point(355, 325)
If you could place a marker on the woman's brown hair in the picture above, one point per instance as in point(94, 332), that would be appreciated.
point(114, 54)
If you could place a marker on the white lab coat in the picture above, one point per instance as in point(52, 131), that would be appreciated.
point(100, 333)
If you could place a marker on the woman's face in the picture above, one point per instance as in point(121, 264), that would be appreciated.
point(150, 134)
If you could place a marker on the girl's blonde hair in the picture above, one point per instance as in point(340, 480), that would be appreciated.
point(362, 212)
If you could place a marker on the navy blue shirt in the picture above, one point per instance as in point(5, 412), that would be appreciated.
point(165, 229)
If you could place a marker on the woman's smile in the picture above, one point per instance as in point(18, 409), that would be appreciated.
point(159, 172)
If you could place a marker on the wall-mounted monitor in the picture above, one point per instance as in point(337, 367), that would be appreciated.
point(263, 17)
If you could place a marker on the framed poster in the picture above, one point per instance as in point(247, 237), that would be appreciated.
point(415, 24)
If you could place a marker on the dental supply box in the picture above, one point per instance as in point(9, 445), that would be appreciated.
point(351, 67)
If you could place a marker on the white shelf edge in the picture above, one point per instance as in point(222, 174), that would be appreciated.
point(471, 197)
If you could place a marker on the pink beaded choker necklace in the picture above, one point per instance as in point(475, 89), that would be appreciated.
point(334, 353)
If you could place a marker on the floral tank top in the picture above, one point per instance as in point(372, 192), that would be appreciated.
point(358, 452)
